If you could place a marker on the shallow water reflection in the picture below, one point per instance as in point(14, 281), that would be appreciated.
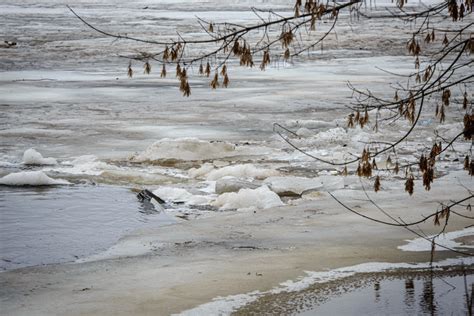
point(60, 224)
point(423, 294)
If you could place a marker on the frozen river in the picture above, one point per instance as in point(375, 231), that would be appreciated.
point(79, 139)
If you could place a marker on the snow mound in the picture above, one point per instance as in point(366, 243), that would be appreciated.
point(260, 198)
point(32, 157)
point(295, 185)
point(179, 195)
point(241, 171)
point(185, 149)
point(30, 178)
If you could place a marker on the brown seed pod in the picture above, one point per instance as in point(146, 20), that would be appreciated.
point(166, 54)
point(163, 71)
point(224, 70)
point(286, 56)
point(377, 184)
point(226, 81)
point(147, 68)
point(208, 70)
point(201, 69)
point(215, 81)
point(350, 121)
point(428, 176)
point(130, 70)
point(396, 169)
point(409, 185)
point(178, 70)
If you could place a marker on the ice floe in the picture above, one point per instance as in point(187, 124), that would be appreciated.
point(260, 198)
point(241, 171)
point(34, 178)
point(179, 195)
point(32, 157)
point(293, 185)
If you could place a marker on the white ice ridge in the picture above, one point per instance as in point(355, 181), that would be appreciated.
point(227, 305)
point(446, 240)
point(32, 157)
point(260, 198)
point(30, 178)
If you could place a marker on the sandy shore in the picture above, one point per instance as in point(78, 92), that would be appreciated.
point(177, 267)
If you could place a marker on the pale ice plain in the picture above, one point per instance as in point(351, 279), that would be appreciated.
point(72, 121)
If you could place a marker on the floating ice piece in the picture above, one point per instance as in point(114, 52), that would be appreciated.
point(179, 195)
point(446, 240)
point(241, 171)
point(32, 157)
point(185, 149)
point(294, 185)
point(259, 198)
point(30, 178)
point(227, 184)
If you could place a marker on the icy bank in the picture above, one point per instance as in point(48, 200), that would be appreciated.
point(227, 305)
point(32, 157)
point(446, 240)
point(260, 198)
point(33, 178)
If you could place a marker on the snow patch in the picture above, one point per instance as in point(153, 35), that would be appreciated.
point(260, 198)
point(32, 157)
point(30, 178)
point(446, 240)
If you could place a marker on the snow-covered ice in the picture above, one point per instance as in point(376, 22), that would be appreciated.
point(33, 178)
point(260, 198)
